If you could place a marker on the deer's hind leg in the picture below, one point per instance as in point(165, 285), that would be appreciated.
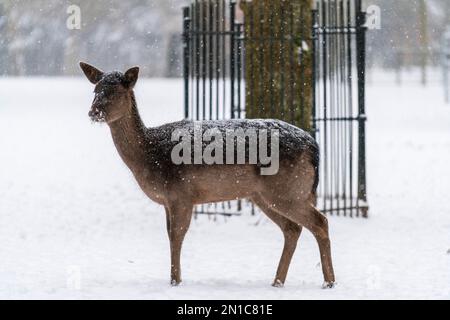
point(302, 211)
point(291, 232)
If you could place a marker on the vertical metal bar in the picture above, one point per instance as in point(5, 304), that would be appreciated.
point(204, 59)
point(233, 55)
point(341, 114)
point(337, 142)
point(325, 104)
point(197, 61)
point(332, 85)
point(239, 27)
point(224, 68)
point(350, 106)
point(217, 55)
point(224, 61)
point(336, 99)
point(192, 61)
point(211, 57)
point(217, 63)
point(250, 38)
point(314, 73)
point(345, 109)
point(252, 42)
point(186, 62)
point(341, 108)
point(319, 102)
point(195, 68)
point(361, 65)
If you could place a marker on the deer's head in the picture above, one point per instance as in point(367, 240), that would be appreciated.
point(113, 92)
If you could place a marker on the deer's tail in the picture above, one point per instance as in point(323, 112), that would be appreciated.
point(315, 161)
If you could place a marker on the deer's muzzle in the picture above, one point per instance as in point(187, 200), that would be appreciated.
point(97, 115)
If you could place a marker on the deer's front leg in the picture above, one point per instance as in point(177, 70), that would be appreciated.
point(179, 219)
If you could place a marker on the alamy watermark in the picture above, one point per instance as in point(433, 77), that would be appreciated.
point(73, 21)
point(373, 21)
point(207, 147)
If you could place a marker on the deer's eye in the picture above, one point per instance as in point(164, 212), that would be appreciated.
point(108, 91)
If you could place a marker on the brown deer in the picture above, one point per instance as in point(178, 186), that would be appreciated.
point(288, 197)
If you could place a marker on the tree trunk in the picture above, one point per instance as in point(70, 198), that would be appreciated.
point(423, 39)
point(278, 60)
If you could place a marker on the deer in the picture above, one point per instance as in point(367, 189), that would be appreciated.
point(288, 198)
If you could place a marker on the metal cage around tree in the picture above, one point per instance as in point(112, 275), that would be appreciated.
point(280, 59)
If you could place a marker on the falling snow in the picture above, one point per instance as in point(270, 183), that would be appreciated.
point(70, 211)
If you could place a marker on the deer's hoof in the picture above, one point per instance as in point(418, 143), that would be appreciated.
point(175, 283)
point(278, 284)
point(328, 285)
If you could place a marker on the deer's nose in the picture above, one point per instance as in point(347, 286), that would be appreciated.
point(94, 112)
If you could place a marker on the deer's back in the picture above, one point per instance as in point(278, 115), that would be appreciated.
point(293, 141)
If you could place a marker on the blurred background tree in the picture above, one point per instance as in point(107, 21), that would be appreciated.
point(3, 42)
point(114, 35)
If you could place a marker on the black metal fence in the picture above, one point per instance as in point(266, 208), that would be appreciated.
point(219, 74)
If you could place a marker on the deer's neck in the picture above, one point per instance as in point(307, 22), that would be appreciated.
point(129, 135)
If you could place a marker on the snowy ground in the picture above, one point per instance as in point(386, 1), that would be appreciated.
point(73, 223)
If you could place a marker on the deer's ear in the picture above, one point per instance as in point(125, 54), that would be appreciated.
point(131, 77)
point(92, 73)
